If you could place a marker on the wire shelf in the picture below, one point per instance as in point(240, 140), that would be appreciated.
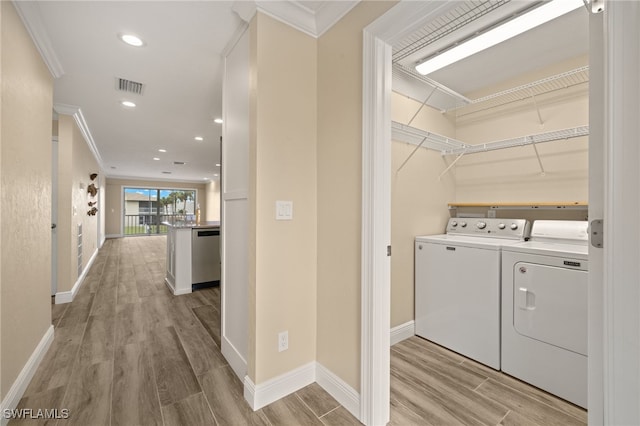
point(555, 135)
point(403, 133)
point(527, 91)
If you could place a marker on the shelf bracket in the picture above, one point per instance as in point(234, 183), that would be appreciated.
point(411, 155)
point(422, 106)
point(535, 103)
point(450, 166)
point(542, 172)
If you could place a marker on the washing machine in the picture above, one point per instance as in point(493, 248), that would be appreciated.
point(457, 285)
point(544, 309)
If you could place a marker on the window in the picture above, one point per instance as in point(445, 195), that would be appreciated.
point(146, 208)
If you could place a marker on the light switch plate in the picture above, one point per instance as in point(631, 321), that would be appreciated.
point(284, 210)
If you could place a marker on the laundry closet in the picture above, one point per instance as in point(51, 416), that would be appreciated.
point(487, 138)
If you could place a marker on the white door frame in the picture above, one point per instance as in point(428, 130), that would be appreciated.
point(54, 215)
point(621, 298)
point(621, 205)
point(379, 36)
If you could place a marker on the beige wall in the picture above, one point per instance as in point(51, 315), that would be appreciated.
point(514, 174)
point(113, 199)
point(339, 191)
point(283, 149)
point(212, 204)
point(418, 199)
point(25, 200)
point(75, 163)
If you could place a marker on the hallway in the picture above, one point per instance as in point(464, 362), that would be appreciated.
point(127, 352)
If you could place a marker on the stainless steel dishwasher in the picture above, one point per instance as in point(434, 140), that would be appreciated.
point(205, 256)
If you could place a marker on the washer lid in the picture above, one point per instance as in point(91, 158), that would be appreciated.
point(487, 243)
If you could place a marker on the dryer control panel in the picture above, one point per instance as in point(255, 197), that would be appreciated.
point(515, 229)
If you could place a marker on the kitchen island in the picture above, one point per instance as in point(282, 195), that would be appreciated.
point(193, 255)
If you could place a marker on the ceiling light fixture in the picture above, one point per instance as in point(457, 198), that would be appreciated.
point(162, 150)
point(128, 104)
point(199, 138)
point(509, 29)
point(217, 164)
point(131, 40)
point(218, 121)
point(156, 159)
point(215, 174)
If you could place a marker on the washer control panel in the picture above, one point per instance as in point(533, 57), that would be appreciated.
point(519, 229)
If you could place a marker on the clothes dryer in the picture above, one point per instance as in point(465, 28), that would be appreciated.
point(544, 309)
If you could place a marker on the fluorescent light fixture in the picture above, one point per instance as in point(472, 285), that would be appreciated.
point(509, 29)
point(128, 104)
point(199, 138)
point(131, 40)
point(218, 120)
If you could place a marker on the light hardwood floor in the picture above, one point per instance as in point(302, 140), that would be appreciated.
point(127, 352)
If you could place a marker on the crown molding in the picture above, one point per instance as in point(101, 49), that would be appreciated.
point(76, 113)
point(295, 14)
point(30, 15)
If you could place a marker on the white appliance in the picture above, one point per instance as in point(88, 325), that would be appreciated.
point(457, 285)
point(544, 309)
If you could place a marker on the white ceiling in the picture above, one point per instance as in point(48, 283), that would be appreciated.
point(181, 69)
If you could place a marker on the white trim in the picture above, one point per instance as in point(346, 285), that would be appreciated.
point(76, 113)
point(174, 291)
point(18, 388)
point(29, 13)
point(296, 14)
point(234, 358)
point(622, 229)
point(330, 13)
point(272, 390)
point(376, 232)
point(348, 397)
point(68, 296)
point(403, 332)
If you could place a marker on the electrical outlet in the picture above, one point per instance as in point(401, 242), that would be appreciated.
point(283, 341)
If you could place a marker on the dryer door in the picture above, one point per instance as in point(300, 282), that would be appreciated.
point(550, 305)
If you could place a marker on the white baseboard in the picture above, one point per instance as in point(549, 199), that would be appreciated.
point(272, 390)
point(68, 296)
point(234, 358)
point(348, 397)
point(18, 388)
point(113, 236)
point(402, 332)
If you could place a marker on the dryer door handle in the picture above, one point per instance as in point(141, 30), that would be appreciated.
point(525, 299)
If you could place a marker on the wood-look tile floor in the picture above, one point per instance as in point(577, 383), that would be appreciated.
point(127, 352)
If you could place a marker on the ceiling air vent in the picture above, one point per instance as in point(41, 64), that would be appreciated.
point(125, 85)
point(166, 173)
point(179, 163)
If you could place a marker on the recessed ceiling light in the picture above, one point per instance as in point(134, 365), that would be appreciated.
point(199, 138)
point(215, 174)
point(218, 120)
point(217, 164)
point(131, 40)
point(128, 104)
point(162, 150)
point(156, 159)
